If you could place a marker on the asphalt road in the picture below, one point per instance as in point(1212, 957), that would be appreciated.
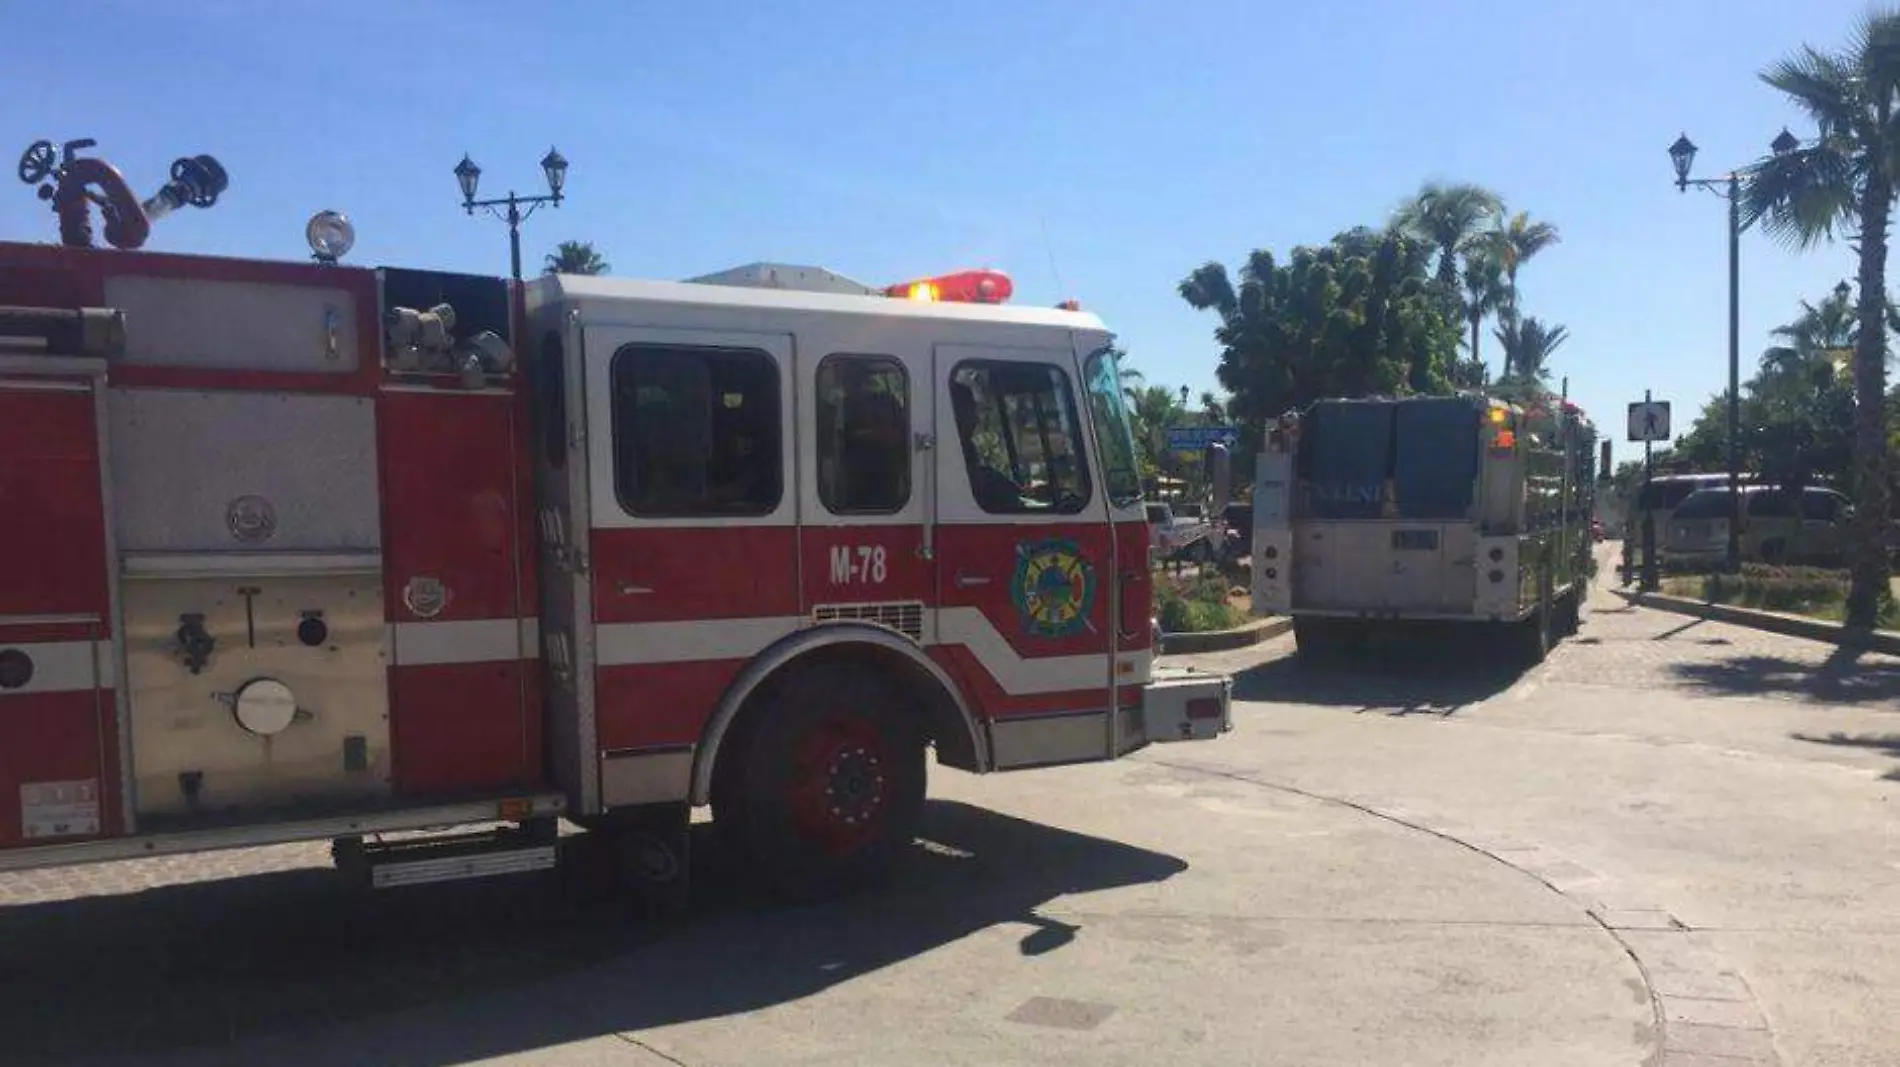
point(1672, 843)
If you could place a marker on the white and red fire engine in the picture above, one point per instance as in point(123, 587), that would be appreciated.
point(302, 551)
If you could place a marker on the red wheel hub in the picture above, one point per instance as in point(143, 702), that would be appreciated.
point(840, 784)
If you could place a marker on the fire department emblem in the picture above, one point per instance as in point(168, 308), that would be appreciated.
point(425, 596)
point(251, 519)
point(1054, 588)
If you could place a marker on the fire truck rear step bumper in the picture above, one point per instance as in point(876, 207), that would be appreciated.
point(420, 861)
point(399, 820)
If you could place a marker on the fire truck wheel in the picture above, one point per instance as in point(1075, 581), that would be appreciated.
point(826, 786)
point(1533, 636)
point(1570, 613)
point(1322, 639)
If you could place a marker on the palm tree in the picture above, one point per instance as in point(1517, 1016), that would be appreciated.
point(1813, 341)
point(1844, 181)
point(1154, 408)
point(1528, 344)
point(1484, 291)
point(1517, 241)
point(1213, 408)
point(576, 257)
point(1131, 378)
point(1447, 217)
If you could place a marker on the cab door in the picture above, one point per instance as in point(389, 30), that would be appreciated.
point(691, 559)
point(1025, 557)
point(866, 550)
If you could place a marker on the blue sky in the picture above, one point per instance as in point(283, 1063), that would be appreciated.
point(890, 140)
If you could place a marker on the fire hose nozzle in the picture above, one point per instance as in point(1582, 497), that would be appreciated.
point(195, 180)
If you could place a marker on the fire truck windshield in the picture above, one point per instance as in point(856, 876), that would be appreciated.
point(1114, 435)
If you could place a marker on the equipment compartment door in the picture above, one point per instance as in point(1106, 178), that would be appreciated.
point(59, 736)
point(464, 714)
point(1024, 551)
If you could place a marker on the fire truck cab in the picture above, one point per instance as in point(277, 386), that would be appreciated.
point(311, 551)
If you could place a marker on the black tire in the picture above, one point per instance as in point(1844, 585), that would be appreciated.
point(1532, 635)
point(1774, 552)
point(822, 788)
point(1325, 639)
point(1569, 614)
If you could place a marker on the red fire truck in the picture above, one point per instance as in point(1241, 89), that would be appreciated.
point(304, 551)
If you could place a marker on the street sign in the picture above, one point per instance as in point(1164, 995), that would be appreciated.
point(1649, 420)
point(1197, 438)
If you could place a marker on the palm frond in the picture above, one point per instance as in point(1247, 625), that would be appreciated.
point(1804, 197)
point(1821, 85)
point(1875, 53)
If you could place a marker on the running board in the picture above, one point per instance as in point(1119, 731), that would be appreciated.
point(421, 861)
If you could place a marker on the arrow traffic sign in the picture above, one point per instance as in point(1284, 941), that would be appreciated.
point(1197, 438)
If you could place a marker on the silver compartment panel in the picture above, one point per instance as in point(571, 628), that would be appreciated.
point(191, 322)
point(181, 457)
point(183, 722)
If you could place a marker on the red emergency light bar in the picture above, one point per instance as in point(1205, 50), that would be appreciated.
point(962, 287)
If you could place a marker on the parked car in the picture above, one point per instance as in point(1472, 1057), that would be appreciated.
point(1172, 535)
point(1662, 495)
point(1778, 526)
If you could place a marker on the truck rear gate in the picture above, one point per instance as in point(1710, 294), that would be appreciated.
point(1429, 508)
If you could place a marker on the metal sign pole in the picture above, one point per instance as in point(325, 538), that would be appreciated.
point(1649, 582)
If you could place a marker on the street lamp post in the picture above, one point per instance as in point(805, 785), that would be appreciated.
point(1729, 187)
point(468, 176)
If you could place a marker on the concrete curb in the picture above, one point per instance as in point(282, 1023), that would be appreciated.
point(1775, 622)
point(1225, 640)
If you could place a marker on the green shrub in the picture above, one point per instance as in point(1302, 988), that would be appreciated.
point(1813, 591)
point(1199, 607)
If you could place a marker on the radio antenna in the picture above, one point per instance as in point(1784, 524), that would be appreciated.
point(1049, 247)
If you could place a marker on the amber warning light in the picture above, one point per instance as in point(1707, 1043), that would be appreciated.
point(963, 287)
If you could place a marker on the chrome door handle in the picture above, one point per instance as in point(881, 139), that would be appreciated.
point(967, 581)
point(630, 589)
point(1121, 629)
point(331, 323)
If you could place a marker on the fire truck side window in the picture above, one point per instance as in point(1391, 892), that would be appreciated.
point(696, 431)
point(1114, 434)
point(1018, 429)
point(863, 435)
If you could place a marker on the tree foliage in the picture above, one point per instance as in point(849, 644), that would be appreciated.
point(1479, 248)
point(1448, 217)
point(1528, 343)
point(1485, 292)
point(1843, 182)
point(1354, 317)
point(1797, 410)
point(576, 257)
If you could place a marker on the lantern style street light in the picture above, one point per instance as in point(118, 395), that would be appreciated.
point(1729, 187)
point(469, 176)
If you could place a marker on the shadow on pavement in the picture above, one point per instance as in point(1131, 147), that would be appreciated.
point(1887, 743)
point(1847, 676)
point(196, 973)
point(1404, 670)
